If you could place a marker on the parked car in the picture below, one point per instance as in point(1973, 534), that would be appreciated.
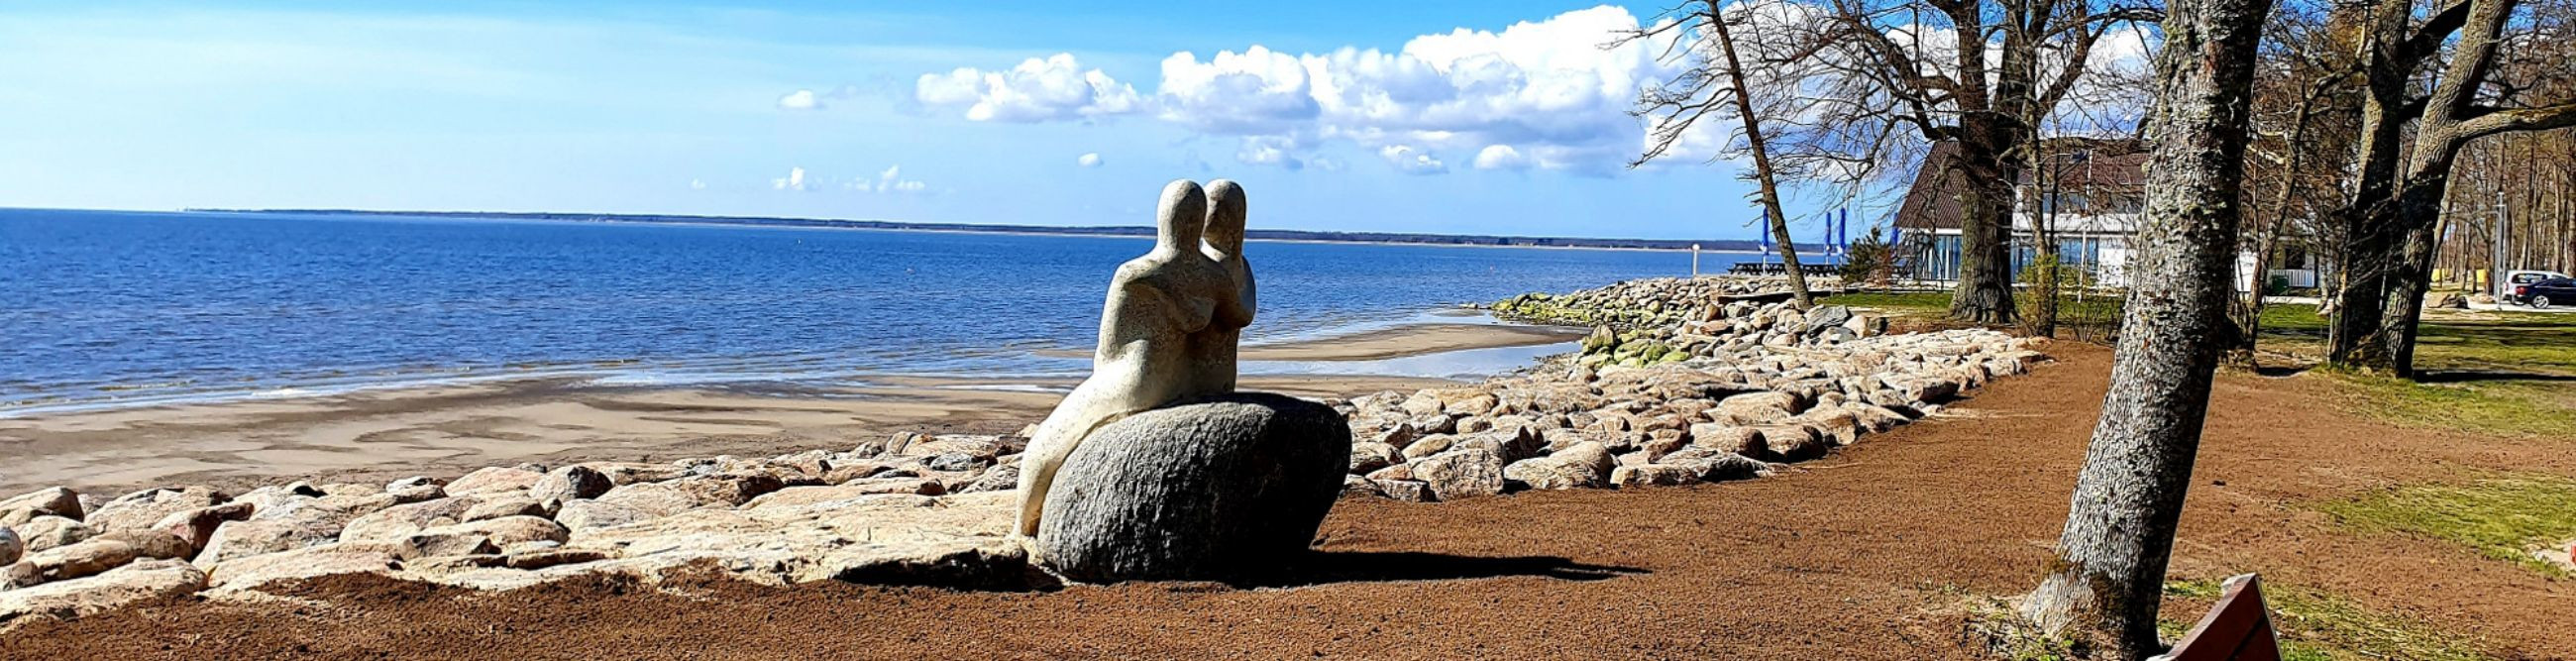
point(2545, 293)
point(2518, 283)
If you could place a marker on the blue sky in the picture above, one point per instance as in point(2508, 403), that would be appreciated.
point(1507, 119)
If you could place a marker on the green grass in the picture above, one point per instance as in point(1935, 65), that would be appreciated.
point(2316, 626)
point(2500, 517)
point(1933, 303)
point(2533, 408)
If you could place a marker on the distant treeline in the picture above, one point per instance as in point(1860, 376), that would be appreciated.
point(1278, 235)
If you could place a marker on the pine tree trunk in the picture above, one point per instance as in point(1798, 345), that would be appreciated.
point(2109, 575)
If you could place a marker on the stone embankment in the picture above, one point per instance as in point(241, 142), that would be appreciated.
point(1695, 390)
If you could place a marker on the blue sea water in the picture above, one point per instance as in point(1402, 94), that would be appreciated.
point(100, 306)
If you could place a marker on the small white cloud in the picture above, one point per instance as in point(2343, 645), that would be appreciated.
point(1269, 150)
point(800, 100)
point(1053, 88)
point(889, 181)
point(1501, 157)
point(795, 180)
point(697, 184)
point(1091, 160)
point(1411, 161)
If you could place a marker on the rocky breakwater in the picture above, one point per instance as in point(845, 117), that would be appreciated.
point(912, 509)
point(1646, 302)
point(1693, 389)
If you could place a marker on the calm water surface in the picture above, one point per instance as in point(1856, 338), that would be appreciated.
point(129, 307)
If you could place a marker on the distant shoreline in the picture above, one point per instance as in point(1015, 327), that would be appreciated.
point(1111, 231)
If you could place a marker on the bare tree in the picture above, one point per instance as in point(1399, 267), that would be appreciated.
point(1882, 79)
point(1678, 106)
point(2109, 575)
point(2391, 236)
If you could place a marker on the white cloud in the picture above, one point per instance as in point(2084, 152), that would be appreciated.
point(697, 184)
point(1500, 157)
point(1269, 150)
point(800, 100)
point(1037, 90)
point(1549, 89)
point(795, 180)
point(889, 181)
point(1090, 160)
point(1410, 161)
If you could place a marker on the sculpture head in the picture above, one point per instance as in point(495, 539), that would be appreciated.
point(1225, 216)
point(1180, 219)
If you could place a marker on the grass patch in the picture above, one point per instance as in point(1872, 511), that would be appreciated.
point(1934, 303)
point(2502, 517)
point(2316, 626)
point(2508, 407)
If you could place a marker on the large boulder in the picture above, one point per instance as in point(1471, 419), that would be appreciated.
point(1220, 488)
point(141, 509)
point(1458, 474)
point(10, 546)
point(137, 582)
point(50, 501)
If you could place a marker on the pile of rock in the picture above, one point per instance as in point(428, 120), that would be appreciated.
point(1646, 302)
point(1731, 415)
point(913, 509)
point(1730, 332)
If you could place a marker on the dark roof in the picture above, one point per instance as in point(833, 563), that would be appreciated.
point(2081, 164)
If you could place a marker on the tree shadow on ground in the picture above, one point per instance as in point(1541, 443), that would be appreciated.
point(1322, 567)
point(2480, 376)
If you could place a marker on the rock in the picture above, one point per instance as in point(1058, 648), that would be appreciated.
point(1392, 472)
point(1004, 477)
point(802, 496)
point(131, 584)
point(1461, 474)
point(1220, 488)
point(1424, 403)
point(414, 490)
point(576, 482)
point(141, 509)
point(1714, 466)
point(257, 536)
point(107, 551)
point(1429, 445)
point(1367, 457)
point(52, 501)
point(496, 478)
point(503, 532)
point(955, 462)
point(954, 541)
point(583, 515)
point(49, 531)
point(1727, 438)
point(10, 546)
point(1792, 442)
point(628, 472)
point(434, 545)
point(252, 572)
point(1400, 435)
point(1755, 408)
point(1355, 486)
point(506, 503)
point(1582, 465)
point(1825, 317)
point(392, 523)
point(271, 496)
point(687, 493)
point(1411, 491)
point(198, 525)
point(1652, 475)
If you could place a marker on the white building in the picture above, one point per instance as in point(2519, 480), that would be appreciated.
point(2091, 195)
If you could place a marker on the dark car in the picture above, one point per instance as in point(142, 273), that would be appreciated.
point(2545, 293)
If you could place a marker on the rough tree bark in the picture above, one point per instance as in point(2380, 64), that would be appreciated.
point(1762, 172)
point(2109, 575)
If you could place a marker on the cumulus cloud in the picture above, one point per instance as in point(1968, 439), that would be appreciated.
point(795, 180)
point(1269, 150)
point(889, 181)
point(697, 184)
point(1500, 157)
point(1411, 161)
point(800, 100)
point(1090, 160)
point(1547, 89)
point(1038, 90)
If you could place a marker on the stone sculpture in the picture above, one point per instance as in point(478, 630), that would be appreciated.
point(1167, 332)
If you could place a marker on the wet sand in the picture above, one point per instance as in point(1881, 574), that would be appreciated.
point(383, 434)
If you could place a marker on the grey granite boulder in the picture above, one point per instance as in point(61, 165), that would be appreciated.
point(1221, 488)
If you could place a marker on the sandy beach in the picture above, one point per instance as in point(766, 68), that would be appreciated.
point(444, 430)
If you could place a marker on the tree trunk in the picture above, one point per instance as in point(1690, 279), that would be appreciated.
point(1984, 294)
point(1772, 214)
point(2109, 575)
